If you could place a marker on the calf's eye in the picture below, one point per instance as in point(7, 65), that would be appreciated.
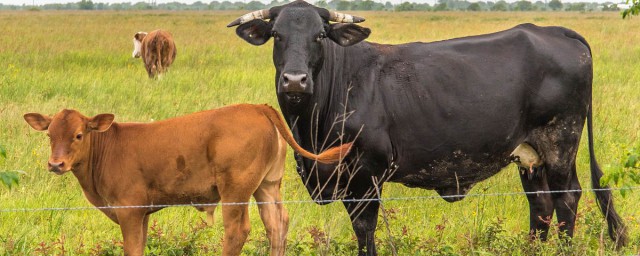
point(79, 136)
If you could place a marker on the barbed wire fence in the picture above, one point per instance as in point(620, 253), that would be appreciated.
point(288, 202)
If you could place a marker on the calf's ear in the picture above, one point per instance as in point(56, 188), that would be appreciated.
point(38, 121)
point(101, 122)
point(139, 36)
point(256, 32)
point(347, 34)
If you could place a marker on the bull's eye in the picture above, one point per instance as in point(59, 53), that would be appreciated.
point(321, 36)
point(79, 136)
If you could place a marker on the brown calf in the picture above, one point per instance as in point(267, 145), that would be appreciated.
point(157, 50)
point(221, 155)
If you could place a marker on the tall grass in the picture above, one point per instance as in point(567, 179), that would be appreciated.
point(82, 60)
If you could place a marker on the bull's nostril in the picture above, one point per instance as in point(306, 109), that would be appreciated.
point(304, 79)
point(286, 80)
point(61, 164)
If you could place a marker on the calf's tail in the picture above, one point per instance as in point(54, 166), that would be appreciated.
point(616, 228)
point(158, 47)
point(329, 156)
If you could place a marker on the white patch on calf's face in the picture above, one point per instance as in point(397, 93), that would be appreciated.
point(137, 47)
point(137, 43)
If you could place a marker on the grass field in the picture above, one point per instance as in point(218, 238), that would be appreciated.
point(82, 60)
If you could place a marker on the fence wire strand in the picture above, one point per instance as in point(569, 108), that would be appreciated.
point(414, 198)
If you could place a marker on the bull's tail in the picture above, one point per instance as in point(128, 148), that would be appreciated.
point(329, 156)
point(616, 228)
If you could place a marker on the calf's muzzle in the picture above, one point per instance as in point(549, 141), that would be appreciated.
point(56, 166)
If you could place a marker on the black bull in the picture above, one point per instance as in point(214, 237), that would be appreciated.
point(442, 115)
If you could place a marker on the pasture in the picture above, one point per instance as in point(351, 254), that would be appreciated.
point(82, 60)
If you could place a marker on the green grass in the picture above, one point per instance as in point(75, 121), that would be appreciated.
point(82, 60)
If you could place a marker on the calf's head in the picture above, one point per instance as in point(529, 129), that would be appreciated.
point(299, 31)
point(70, 135)
point(137, 43)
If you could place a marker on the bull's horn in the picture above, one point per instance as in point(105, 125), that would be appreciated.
point(261, 14)
point(344, 18)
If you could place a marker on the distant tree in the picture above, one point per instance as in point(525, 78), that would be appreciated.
point(198, 5)
point(440, 7)
point(388, 6)
point(576, 7)
point(142, 6)
point(421, 7)
point(254, 5)
point(405, 6)
point(85, 5)
point(555, 5)
point(378, 6)
point(320, 3)
point(366, 5)
point(474, 7)
point(333, 4)
point(484, 5)
point(343, 6)
point(53, 7)
point(226, 5)
point(500, 6)
point(523, 6)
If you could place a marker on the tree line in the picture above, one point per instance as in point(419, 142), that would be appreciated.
point(340, 5)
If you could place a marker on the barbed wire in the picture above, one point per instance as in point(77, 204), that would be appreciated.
point(155, 206)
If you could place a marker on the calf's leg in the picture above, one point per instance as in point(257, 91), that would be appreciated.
point(236, 225)
point(235, 191)
point(132, 223)
point(273, 214)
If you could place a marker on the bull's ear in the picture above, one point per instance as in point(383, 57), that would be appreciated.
point(347, 34)
point(101, 122)
point(256, 32)
point(39, 122)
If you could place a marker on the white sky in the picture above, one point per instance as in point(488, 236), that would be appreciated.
point(41, 2)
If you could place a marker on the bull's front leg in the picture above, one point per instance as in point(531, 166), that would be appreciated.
point(364, 218)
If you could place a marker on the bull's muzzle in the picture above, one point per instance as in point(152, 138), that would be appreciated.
point(295, 87)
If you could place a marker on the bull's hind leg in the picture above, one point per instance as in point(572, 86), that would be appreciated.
point(566, 203)
point(273, 214)
point(558, 145)
point(540, 205)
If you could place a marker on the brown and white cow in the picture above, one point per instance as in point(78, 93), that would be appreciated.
point(221, 155)
point(157, 49)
